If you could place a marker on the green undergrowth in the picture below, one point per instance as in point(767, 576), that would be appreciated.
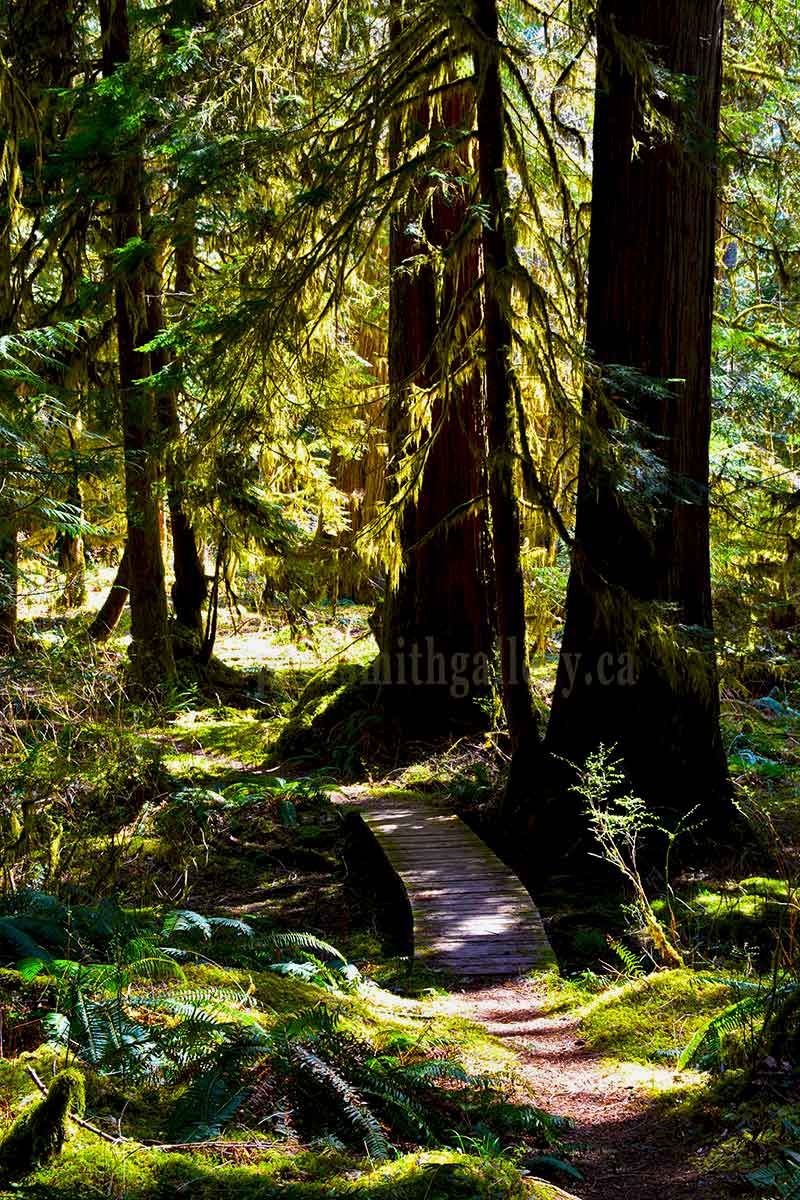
point(253, 845)
point(215, 739)
point(335, 721)
point(650, 1020)
point(37, 1135)
point(88, 1170)
point(247, 1161)
point(364, 1021)
point(748, 1128)
point(761, 734)
point(730, 920)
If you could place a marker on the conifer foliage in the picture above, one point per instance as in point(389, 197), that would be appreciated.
point(372, 298)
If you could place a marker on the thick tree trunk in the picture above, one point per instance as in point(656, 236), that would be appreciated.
point(436, 636)
point(500, 384)
point(108, 616)
point(361, 482)
point(362, 479)
point(638, 665)
point(152, 661)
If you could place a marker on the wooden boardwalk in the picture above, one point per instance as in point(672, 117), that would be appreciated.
point(471, 914)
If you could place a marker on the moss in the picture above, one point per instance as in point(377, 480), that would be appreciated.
point(15, 1082)
point(276, 994)
point(325, 682)
point(732, 914)
point(333, 728)
point(372, 1013)
point(224, 733)
point(762, 885)
point(106, 1171)
point(653, 1018)
point(38, 1132)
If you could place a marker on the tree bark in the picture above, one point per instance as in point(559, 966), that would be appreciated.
point(436, 634)
point(152, 661)
point(8, 584)
point(108, 616)
point(520, 713)
point(71, 550)
point(8, 510)
point(361, 481)
point(638, 666)
point(190, 589)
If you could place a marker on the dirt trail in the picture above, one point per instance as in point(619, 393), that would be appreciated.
point(625, 1150)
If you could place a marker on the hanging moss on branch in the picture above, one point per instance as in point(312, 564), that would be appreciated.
point(39, 1131)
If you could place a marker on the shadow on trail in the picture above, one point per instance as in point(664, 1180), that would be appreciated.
point(627, 1142)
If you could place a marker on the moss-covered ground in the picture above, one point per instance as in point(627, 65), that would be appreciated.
point(219, 803)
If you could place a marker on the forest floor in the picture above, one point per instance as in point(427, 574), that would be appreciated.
point(623, 1146)
point(597, 1046)
point(623, 1141)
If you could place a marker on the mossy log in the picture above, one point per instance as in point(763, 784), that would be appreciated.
point(38, 1132)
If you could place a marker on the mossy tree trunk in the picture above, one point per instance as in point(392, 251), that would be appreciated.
point(638, 667)
point(152, 662)
point(190, 588)
point(8, 581)
point(71, 549)
point(71, 546)
point(436, 634)
point(8, 514)
point(109, 614)
point(519, 709)
point(9, 553)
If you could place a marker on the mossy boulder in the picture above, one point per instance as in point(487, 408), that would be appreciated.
point(38, 1132)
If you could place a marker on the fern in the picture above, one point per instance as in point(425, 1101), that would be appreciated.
point(781, 1180)
point(705, 1048)
point(304, 941)
point(632, 964)
point(307, 1022)
point(352, 1104)
point(14, 935)
point(412, 1112)
point(209, 1103)
point(205, 1044)
point(232, 925)
point(437, 1069)
point(183, 920)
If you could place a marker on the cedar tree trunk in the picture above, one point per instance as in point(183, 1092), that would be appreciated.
point(638, 666)
point(436, 636)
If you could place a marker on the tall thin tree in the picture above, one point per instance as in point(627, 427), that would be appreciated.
point(151, 649)
point(437, 635)
point(500, 386)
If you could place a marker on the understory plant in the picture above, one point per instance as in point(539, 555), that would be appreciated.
point(342, 1084)
point(764, 1018)
point(779, 1180)
point(619, 820)
point(123, 1006)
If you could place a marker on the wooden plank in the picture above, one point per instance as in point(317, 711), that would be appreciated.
point(471, 914)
